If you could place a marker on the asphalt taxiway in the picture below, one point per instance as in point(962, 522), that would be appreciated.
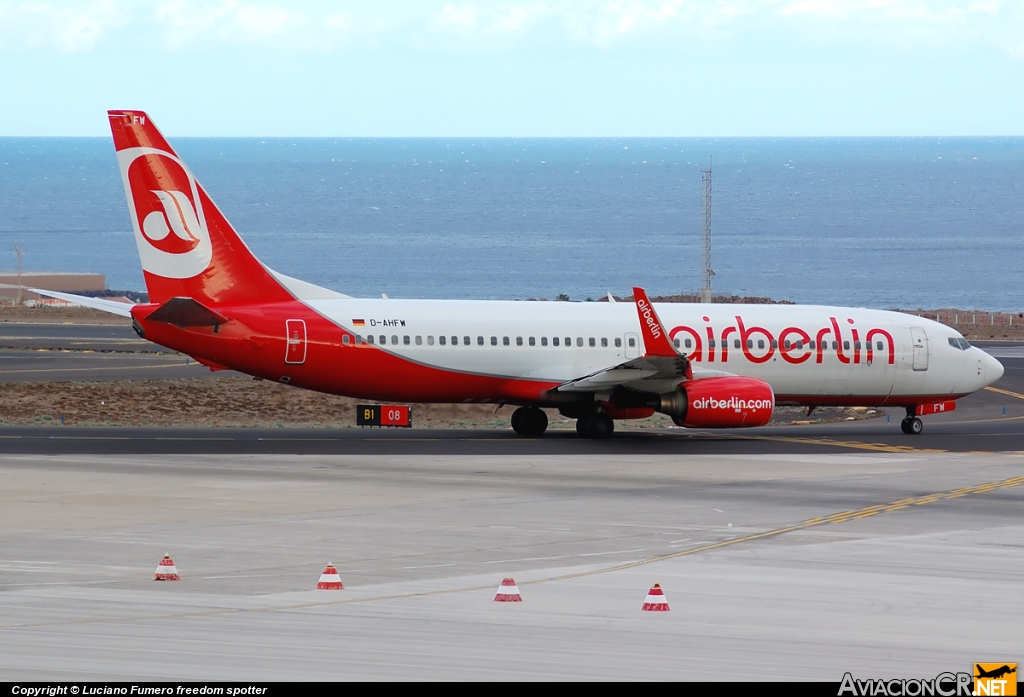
point(38, 352)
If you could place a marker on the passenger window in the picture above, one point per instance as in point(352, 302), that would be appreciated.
point(735, 343)
point(519, 341)
point(394, 339)
point(568, 341)
point(579, 341)
point(466, 341)
point(785, 344)
point(504, 341)
point(382, 340)
point(430, 341)
point(711, 343)
point(856, 345)
point(359, 339)
point(750, 343)
point(835, 345)
point(543, 341)
point(406, 340)
point(846, 345)
point(604, 342)
point(441, 339)
point(618, 342)
point(810, 344)
point(799, 345)
point(419, 340)
point(878, 345)
point(593, 342)
point(760, 343)
point(533, 341)
point(775, 344)
point(632, 342)
point(345, 339)
point(479, 341)
point(554, 341)
point(494, 341)
point(675, 343)
point(688, 343)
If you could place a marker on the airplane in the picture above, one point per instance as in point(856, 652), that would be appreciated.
point(703, 365)
point(995, 673)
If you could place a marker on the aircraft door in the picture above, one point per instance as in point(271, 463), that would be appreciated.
point(632, 345)
point(295, 340)
point(920, 341)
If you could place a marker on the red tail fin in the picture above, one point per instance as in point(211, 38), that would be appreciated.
point(187, 246)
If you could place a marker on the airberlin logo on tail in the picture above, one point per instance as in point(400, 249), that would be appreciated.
point(177, 217)
point(170, 227)
point(647, 312)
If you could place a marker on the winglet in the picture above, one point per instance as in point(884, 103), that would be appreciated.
point(656, 341)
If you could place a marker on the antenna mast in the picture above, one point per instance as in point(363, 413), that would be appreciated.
point(705, 291)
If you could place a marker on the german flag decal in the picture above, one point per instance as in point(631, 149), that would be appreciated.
point(359, 322)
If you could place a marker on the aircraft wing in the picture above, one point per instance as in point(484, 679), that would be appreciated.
point(660, 369)
point(111, 306)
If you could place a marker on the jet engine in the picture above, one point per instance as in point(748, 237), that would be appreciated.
point(720, 402)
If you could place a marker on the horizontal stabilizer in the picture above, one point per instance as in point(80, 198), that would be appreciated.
point(186, 312)
point(112, 306)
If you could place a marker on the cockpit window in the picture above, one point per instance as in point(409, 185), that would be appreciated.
point(959, 343)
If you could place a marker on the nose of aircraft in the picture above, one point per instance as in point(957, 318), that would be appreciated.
point(993, 370)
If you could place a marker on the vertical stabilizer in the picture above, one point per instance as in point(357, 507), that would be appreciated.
point(187, 246)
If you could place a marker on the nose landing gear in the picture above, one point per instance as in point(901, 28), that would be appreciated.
point(911, 425)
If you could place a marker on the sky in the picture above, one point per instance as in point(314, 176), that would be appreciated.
point(391, 68)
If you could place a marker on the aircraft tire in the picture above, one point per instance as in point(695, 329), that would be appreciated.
point(912, 425)
point(536, 421)
point(600, 425)
point(529, 421)
point(597, 425)
point(517, 420)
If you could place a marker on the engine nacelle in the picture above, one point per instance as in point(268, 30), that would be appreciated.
point(723, 402)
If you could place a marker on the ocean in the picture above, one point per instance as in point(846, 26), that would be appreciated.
point(875, 222)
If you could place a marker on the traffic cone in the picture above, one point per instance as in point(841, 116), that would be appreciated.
point(508, 592)
point(656, 600)
point(165, 570)
point(330, 580)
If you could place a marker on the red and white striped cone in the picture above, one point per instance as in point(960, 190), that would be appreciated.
point(656, 600)
point(166, 571)
point(508, 592)
point(330, 580)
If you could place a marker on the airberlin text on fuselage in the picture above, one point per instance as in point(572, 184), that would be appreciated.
point(794, 344)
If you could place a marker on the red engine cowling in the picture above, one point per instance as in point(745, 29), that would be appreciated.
point(727, 402)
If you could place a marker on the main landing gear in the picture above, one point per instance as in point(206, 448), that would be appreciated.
point(911, 425)
point(595, 425)
point(529, 421)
